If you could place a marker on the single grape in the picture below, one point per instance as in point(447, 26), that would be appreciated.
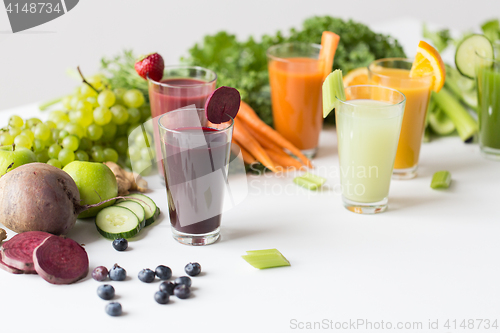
point(66, 156)
point(110, 155)
point(121, 145)
point(145, 112)
point(94, 132)
point(100, 273)
point(29, 134)
point(42, 132)
point(97, 81)
point(74, 102)
point(102, 115)
point(50, 124)
point(81, 155)
point(92, 100)
point(73, 116)
point(57, 116)
point(71, 142)
point(134, 153)
point(133, 98)
point(85, 144)
point(66, 102)
point(32, 122)
point(143, 140)
point(16, 121)
point(120, 114)
point(106, 98)
point(119, 92)
point(55, 163)
point(147, 153)
point(6, 139)
point(38, 145)
point(42, 156)
point(84, 117)
point(62, 124)
point(97, 154)
point(55, 134)
point(75, 129)
point(14, 131)
point(87, 91)
point(84, 105)
point(134, 115)
point(63, 134)
point(54, 150)
point(23, 140)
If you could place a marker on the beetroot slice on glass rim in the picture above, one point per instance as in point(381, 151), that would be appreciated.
point(60, 260)
point(18, 251)
point(8, 268)
point(222, 102)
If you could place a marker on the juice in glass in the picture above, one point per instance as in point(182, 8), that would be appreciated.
point(488, 93)
point(368, 129)
point(296, 76)
point(395, 73)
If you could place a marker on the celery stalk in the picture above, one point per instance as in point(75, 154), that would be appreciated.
point(266, 259)
point(465, 124)
point(441, 179)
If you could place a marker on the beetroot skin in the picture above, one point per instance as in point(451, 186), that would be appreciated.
point(18, 251)
point(8, 268)
point(222, 102)
point(60, 260)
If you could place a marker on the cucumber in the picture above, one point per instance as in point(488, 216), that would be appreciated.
point(152, 211)
point(117, 222)
point(137, 208)
point(465, 56)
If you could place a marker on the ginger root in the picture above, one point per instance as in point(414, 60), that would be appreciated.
point(127, 181)
point(3, 235)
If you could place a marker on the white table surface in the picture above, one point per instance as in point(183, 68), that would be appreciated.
point(434, 255)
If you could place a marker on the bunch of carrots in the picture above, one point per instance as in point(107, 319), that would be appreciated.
point(259, 142)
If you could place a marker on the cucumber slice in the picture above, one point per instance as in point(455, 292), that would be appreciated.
point(117, 222)
point(333, 88)
point(152, 211)
point(137, 208)
point(440, 123)
point(466, 53)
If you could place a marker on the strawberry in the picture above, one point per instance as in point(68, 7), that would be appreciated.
point(150, 65)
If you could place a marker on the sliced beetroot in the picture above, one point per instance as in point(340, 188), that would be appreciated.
point(8, 268)
point(222, 102)
point(60, 260)
point(18, 251)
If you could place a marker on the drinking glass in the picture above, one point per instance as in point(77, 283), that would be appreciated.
point(368, 127)
point(296, 76)
point(395, 73)
point(196, 155)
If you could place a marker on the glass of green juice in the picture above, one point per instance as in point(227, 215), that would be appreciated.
point(488, 98)
point(368, 128)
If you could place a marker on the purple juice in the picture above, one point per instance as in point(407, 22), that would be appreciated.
point(195, 177)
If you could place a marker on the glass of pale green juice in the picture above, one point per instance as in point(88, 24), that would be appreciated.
point(368, 128)
point(488, 98)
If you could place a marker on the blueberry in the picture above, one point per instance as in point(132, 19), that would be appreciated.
point(146, 275)
point(193, 269)
point(161, 297)
point(168, 287)
point(120, 244)
point(114, 309)
point(183, 280)
point(100, 273)
point(117, 273)
point(182, 291)
point(163, 272)
point(106, 292)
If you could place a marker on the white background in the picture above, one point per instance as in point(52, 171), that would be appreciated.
point(33, 63)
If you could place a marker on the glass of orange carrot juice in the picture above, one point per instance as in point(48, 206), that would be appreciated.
point(395, 73)
point(296, 76)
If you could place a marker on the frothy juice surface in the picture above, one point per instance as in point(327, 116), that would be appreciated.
point(367, 142)
point(194, 169)
point(417, 92)
point(296, 99)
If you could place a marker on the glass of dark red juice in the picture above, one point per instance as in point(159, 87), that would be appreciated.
point(181, 86)
point(196, 155)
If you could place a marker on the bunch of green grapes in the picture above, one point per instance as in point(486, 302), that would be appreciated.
point(91, 126)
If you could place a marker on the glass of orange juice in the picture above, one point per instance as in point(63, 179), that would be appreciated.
point(296, 76)
point(395, 73)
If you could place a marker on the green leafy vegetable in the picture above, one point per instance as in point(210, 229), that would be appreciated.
point(491, 29)
point(440, 38)
point(243, 64)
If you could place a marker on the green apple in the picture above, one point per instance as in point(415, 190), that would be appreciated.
point(17, 155)
point(95, 181)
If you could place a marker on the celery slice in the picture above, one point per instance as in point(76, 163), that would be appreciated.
point(265, 259)
point(314, 179)
point(333, 88)
point(306, 183)
point(441, 179)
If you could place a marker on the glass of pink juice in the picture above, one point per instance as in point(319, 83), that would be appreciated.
point(181, 86)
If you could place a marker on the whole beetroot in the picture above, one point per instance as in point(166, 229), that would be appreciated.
point(40, 197)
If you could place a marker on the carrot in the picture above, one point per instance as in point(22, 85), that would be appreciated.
point(264, 142)
point(247, 157)
point(329, 44)
point(248, 115)
point(248, 142)
point(284, 160)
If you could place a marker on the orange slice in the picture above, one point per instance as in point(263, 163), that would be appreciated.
point(356, 76)
point(427, 61)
